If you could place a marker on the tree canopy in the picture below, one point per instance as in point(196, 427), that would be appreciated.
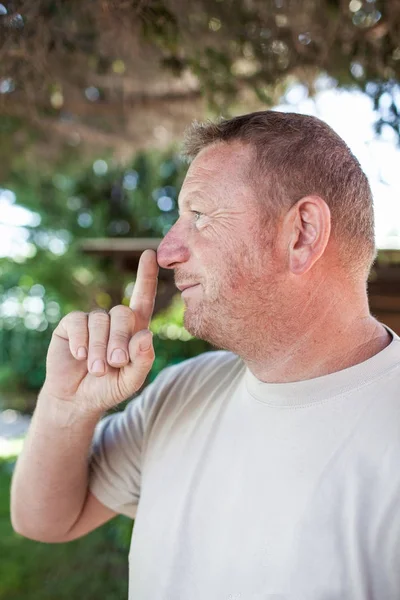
point(92, 94)
point(130, 74)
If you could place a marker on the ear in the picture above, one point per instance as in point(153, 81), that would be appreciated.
point(307, 229)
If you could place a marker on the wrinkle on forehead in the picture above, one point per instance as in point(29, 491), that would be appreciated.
point(233, 157)
point(219, 169)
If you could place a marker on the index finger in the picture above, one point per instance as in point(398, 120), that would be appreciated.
point(144, 291)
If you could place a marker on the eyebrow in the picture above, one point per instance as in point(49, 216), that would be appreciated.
point(195, 198)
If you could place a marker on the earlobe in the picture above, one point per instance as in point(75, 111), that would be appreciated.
point(311, 224)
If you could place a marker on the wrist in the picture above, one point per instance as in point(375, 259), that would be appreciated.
point(65, 412)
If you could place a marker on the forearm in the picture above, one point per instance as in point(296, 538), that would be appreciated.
point(50, 480)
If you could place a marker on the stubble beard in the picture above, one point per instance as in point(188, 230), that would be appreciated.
point(220, 318)
point(234, 309)
point(200, 314)
point(205, 321)
point(230, 316)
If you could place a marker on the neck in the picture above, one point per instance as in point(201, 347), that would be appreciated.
point(338, 336)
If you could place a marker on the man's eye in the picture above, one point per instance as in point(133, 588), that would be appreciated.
point(197, 215)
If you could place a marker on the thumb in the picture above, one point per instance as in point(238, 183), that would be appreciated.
point(141, 354)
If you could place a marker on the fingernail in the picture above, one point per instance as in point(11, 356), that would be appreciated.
point(118, 356)
point(81, 352)
point(145, 344)
point(98, 366)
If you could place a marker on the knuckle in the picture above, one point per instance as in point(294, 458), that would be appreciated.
point(121, 310)
point(97, 345)
point(120, 335)
point(98, 311)
point(75, 316)
point(74, 324)
point(99, 317)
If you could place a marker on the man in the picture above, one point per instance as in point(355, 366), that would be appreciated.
point(270, 468)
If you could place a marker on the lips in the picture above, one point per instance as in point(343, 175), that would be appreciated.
point(184, 286)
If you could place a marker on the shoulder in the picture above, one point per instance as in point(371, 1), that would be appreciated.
point(186, 383)
point(206, 366)
point(204, 372)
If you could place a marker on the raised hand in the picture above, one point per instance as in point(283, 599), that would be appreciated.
point(97, 360)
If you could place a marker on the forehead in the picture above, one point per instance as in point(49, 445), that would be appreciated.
point(221, 166)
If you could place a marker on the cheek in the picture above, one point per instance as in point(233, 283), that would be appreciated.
point(247, 270)
point(226, 265)
point(236, 276)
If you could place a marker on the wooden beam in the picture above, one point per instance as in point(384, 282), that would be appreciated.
point(109, 246)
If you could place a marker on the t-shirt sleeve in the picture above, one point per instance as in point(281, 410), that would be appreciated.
point(118, 445)
point(114, 467)
point(122, 439)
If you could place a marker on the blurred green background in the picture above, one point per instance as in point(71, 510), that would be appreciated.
point(94, 100)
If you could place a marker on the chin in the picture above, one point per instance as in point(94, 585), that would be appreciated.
point(197, 326)
point(192, 322)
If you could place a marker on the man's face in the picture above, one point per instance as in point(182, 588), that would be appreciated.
point(218, 247)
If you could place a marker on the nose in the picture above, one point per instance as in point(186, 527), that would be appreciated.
point(173, 250)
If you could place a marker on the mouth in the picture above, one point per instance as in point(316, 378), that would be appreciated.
point(183, 288)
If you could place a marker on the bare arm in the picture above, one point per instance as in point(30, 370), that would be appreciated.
point(49, 484)
point(50, 500)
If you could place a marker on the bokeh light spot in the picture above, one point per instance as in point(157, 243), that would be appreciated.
point(100, 167)
point(130, 180)
point(92, 93)
point(85, 219)
point(6, 86)
point(165, 203)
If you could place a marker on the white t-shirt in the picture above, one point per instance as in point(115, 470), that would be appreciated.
point(243, 490)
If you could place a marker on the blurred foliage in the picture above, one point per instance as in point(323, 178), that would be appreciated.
point(98, 200)
point(83, 85)
point(127, 75)
point(49, 276)
point(96, 563)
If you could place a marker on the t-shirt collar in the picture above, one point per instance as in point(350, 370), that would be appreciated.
point(304, 393)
